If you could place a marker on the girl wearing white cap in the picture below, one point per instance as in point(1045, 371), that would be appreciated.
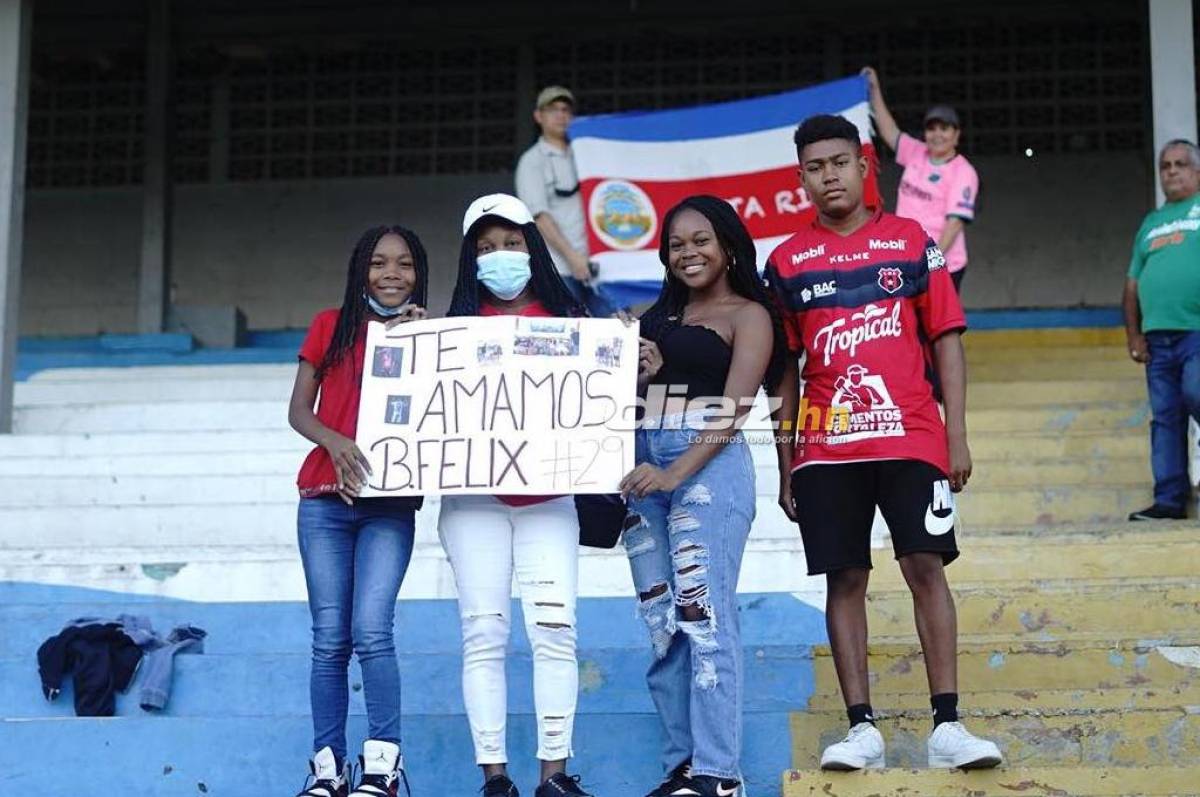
point(505, 269)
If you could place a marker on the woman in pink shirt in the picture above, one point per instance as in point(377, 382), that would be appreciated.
point(939, 186)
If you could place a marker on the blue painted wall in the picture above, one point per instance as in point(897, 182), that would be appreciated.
point(238, 718)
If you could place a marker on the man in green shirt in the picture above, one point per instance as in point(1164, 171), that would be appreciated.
point(1162, 324)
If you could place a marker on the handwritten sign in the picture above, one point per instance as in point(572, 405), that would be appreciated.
point(503, 404)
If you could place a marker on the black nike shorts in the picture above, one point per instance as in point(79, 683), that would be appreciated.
point(836, 507)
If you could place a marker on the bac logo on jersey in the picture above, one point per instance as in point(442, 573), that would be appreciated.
point(939, 516)
point(819, 289)
point(891, 279)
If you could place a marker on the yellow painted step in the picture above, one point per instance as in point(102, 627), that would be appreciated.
point(1084, 417)
point(1128, 699)
point(1130, 442)
point(1049, 393)
point(1027, 737)
point(1060, 612)
point(1138, 553)
point(1125, 471)
point(1007, 666)
point(985, 370)
point(1051, 336)
point(1101, 529)
point(1021, 355)
point(1067, 504)
point(1182, 780)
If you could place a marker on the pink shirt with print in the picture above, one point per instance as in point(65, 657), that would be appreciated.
point(929, 192)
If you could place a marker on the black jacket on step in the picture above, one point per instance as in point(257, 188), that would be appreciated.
point(103, 659)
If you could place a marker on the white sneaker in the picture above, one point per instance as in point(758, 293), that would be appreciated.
point(325, 779)
point(951, 746)
point(382, 770)
point(861, 749)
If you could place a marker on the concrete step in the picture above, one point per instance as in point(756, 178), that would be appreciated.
point(163, 756)
point(1027, 737)
point(1051, 392)
point(1032, 472)
point(275, 387)
point(1128, 699)
point(1021, 447)
point(1020, 355)
point(1010, 666)
point(266, 685)
point(1040, 337)
point(985, 369)
point(163, 444)
point(1164, 781)
point(147, 374)
point(137, 417)
point(1064, 610)
point(1068, 417)
point(1006, 506)
point(279, 465)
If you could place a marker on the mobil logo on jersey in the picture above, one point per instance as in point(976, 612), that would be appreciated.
point(634, 167)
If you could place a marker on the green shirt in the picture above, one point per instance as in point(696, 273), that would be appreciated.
point(1166, 265)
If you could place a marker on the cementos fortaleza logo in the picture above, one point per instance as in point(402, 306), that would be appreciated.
point(622, 215)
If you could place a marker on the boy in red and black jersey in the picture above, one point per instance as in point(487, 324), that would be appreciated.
point(866, 299)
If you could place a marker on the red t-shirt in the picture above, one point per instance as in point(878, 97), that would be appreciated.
point(864, 308)
point(534, 309)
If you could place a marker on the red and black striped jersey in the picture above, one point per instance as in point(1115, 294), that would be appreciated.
point(863, 309)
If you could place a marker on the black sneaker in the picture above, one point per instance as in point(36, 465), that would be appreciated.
point(1159, 512)
point(560, 784)
point(679, 777)
point(499, 786)
point(708, 786)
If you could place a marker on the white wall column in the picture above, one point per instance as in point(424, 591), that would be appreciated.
point(16, 20)
point(1173, 75)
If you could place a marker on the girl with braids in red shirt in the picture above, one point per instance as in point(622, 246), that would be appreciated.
point(355, 550)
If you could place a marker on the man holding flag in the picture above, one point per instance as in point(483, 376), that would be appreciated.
point(860, 292)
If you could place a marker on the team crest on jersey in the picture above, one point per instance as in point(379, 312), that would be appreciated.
point(891, 279)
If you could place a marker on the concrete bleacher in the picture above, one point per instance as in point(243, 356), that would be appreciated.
point(167, 489)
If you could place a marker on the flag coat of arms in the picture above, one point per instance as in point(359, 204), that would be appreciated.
point(633, 167)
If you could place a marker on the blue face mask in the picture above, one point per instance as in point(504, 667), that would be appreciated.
point(505, 273)
point(386, 312)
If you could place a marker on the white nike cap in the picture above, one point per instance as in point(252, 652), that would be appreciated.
point(504, 206)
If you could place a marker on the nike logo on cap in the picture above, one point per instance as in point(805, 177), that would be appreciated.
point(485, 210)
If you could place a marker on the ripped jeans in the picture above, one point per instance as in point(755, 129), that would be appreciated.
point(487, 540)
point(685, 550)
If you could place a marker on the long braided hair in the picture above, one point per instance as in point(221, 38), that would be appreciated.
point(667, 311)
point(547, 285)
point(354, 300)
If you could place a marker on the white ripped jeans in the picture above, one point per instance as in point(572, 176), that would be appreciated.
point(487, 541)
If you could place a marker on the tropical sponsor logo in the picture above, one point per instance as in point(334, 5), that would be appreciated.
point(872, 323)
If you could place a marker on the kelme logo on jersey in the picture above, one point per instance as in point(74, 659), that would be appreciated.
point(622, 215)
point(891, 279)
point(935, 258)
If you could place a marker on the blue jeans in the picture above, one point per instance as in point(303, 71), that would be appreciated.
point(593, 297)
point(685, 550)
point(354, 560)
point(1173, 381)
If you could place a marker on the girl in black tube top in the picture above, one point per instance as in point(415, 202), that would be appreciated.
point(691, 496)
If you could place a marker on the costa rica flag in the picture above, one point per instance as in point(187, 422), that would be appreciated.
point(635, 166)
